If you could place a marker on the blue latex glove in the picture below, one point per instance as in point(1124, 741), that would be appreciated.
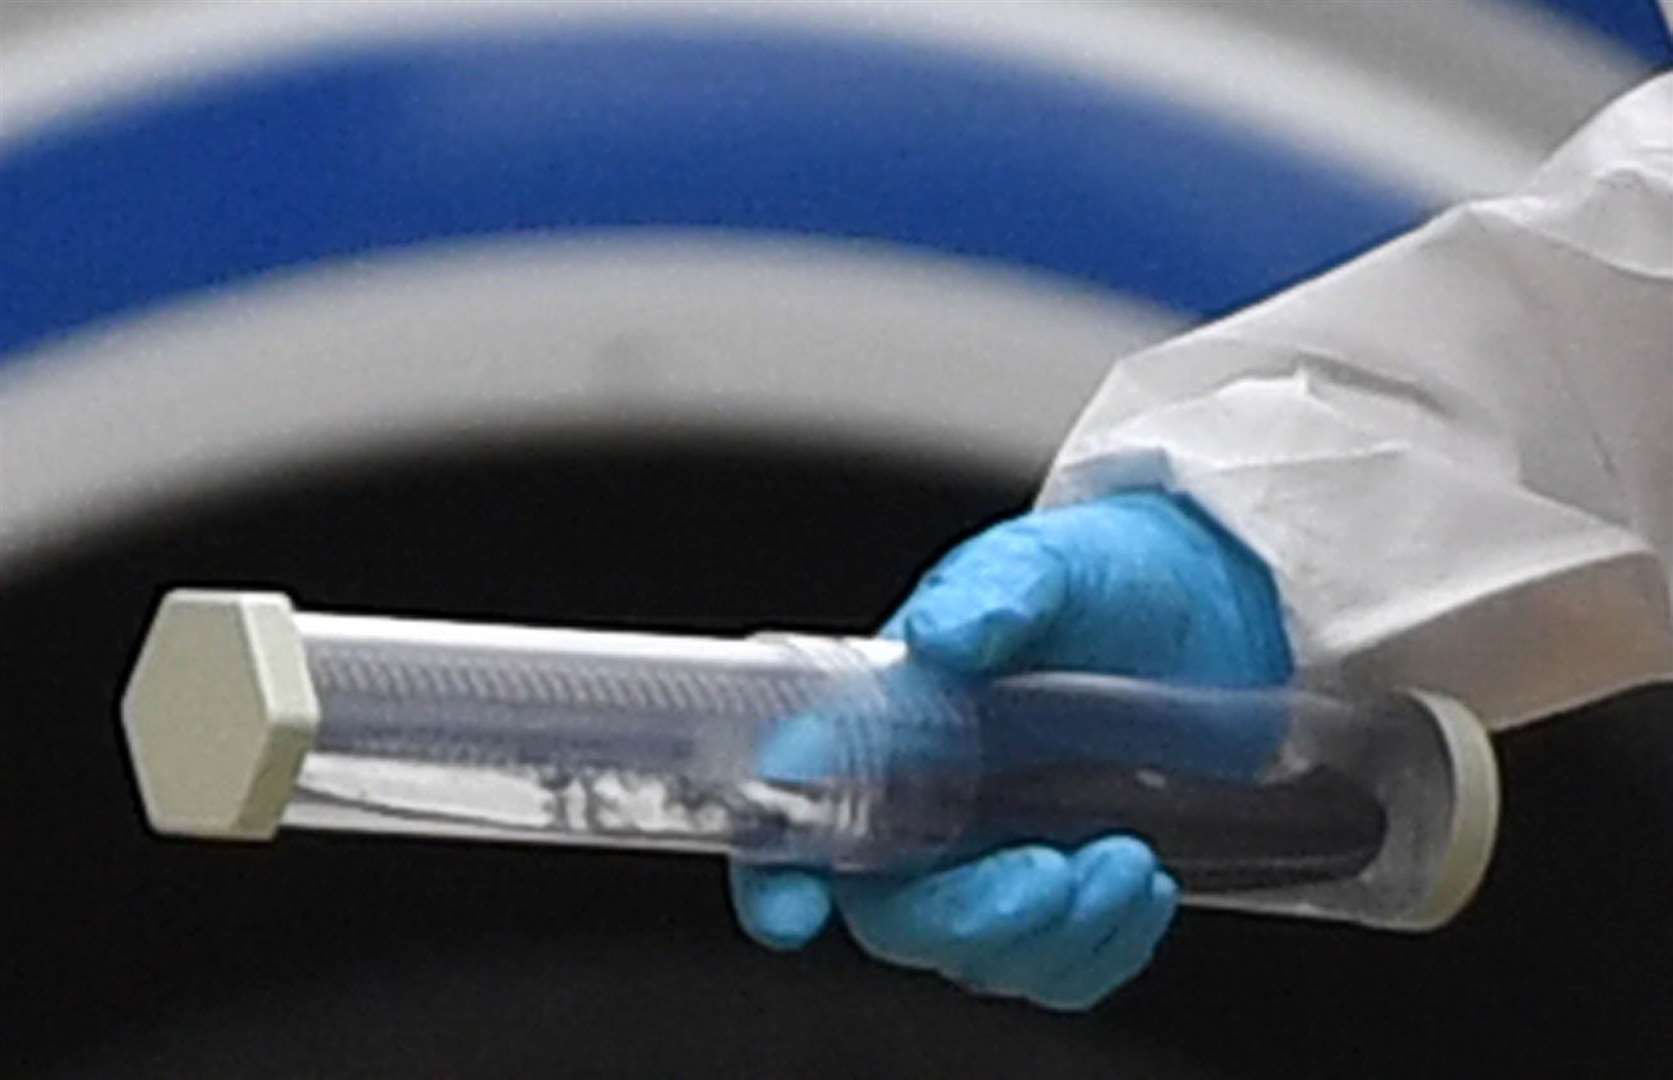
point(1135, 584)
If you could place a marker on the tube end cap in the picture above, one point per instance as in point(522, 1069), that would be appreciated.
point(1474, 826)
point(219, 713)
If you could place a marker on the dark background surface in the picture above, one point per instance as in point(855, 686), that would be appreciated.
point(335, 956)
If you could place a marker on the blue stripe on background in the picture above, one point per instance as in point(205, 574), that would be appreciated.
point(349, 152)
point(1636, 25)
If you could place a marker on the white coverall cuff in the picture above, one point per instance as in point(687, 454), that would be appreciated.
point(1579, 612)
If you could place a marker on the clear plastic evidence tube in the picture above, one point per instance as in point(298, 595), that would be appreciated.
point(243, 716)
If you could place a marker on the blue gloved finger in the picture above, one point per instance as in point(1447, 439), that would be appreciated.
point(803, 747)
point(985, 603)
point(1112, 879)
point(780, 908)
point(1121, 956)
point(946, 919)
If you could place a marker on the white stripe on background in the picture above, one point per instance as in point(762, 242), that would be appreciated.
point(831, 343)
point(1444, 98)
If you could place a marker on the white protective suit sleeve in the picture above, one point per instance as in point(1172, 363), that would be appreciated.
point(1455, 452)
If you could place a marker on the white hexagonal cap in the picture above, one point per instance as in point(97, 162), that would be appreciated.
point(219, 713)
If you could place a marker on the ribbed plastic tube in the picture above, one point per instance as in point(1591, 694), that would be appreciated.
point(845, 754)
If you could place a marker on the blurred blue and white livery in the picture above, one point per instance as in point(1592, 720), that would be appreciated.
point(244, 238)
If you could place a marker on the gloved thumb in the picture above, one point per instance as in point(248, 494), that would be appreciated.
point(985, 603)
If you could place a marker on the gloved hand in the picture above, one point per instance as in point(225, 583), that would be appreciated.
point(1135, 584)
